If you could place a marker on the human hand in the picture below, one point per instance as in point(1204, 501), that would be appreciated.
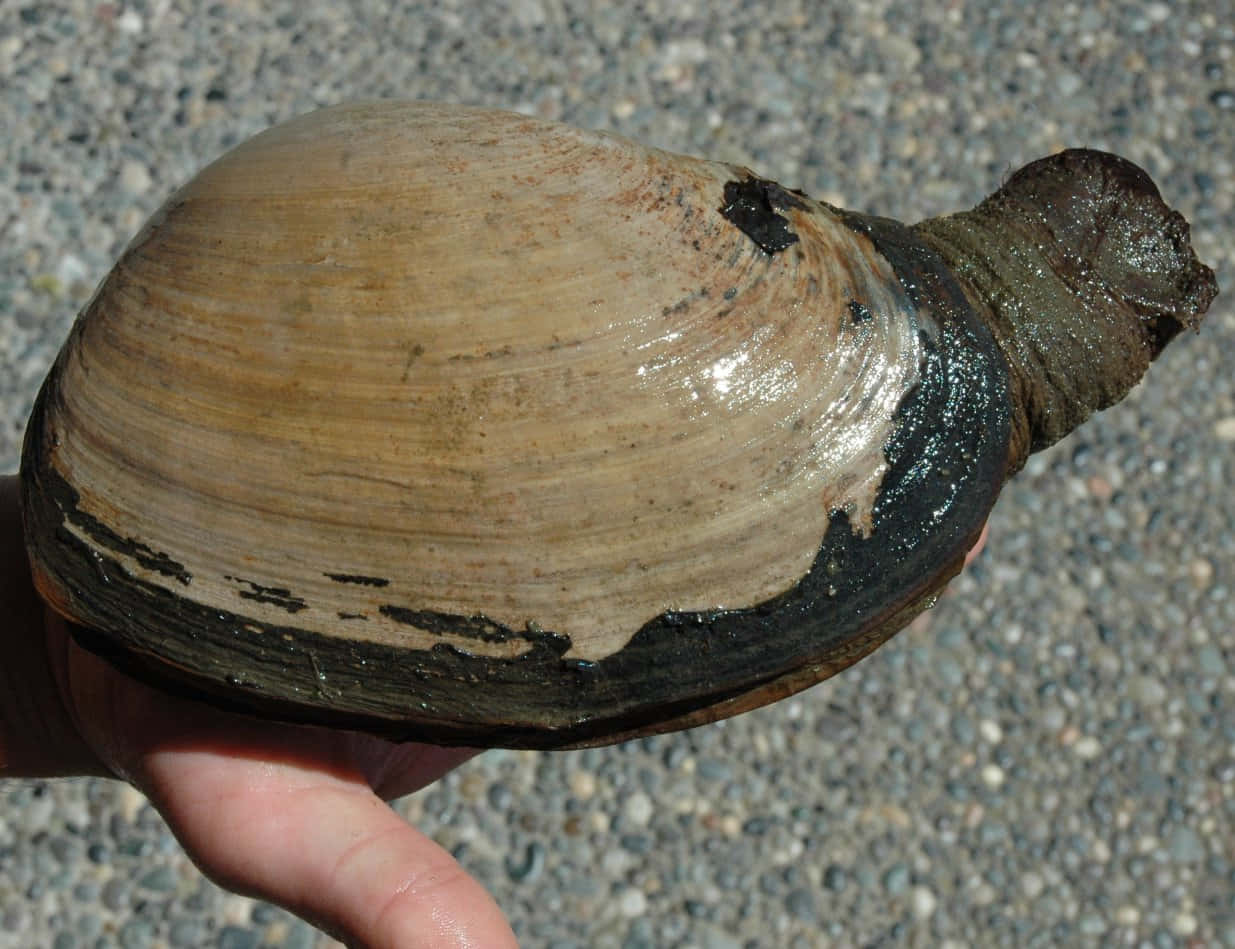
point(978, 546)
point(292, 814)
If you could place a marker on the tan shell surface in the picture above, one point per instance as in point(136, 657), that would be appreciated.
point(391, 358)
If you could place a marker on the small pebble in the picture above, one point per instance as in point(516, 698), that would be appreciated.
point(1087, 747)
point(713, 938)
point(186, 934)
point(632, 902)
point(472, 786)
point(160, 880)
point(1147, 690)
point(300, 935)
point(37, 814)
point(993, 776)
point(638, 809)
point(129, 802)
point(676, 755)
point(71, 270)
point(923, 901)
point(13, 919)
point(1100, 487)
point(714, 769)
point(499, 796)
point(1202, 573)
point(116, 894)
point(962, 729)
point(134, 178)
point(263, 913)
point(1210, 661)
point(131, 22)
point(529, 867)
point(236, 937)
point(1091, 924)
point(755, 826)
point(835, 878)
point(1184, 924)
point(1224, 429)
point(984, 894)
point(896, 879)
point(1185, 845)
point(1053, 718)
point(801, 904)
point(139, 934)
point(89, 926)
point(582, 785)
point(1128, 916)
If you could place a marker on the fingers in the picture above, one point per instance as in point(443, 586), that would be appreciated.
point(325, 847)
point(976, 549)
point(394, 770)
point(286, 813)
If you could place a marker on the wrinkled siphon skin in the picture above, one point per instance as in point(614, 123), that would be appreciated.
point(471, 428)
point(1083, 275)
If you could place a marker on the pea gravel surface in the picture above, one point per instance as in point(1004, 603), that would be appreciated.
point(1045, 759)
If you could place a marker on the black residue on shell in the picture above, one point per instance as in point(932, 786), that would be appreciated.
point(359, 579)
point(275, 596)
point(149, 558)
point(859, 312)
point(478, 627)
point(946, 462)
point(751, 205)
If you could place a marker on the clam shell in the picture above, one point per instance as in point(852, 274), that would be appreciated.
point(467, 427)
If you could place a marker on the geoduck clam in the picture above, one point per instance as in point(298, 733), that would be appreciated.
point(467, 427)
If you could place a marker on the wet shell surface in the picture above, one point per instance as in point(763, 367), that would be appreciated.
point(467, 427)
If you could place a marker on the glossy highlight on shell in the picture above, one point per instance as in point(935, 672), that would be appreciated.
point(472, 428)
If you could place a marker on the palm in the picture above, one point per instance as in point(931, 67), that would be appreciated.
point(296, 815)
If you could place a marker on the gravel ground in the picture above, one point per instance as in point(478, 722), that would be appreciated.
point(1045, 759)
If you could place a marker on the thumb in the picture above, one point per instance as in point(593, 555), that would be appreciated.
point(325, 847)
